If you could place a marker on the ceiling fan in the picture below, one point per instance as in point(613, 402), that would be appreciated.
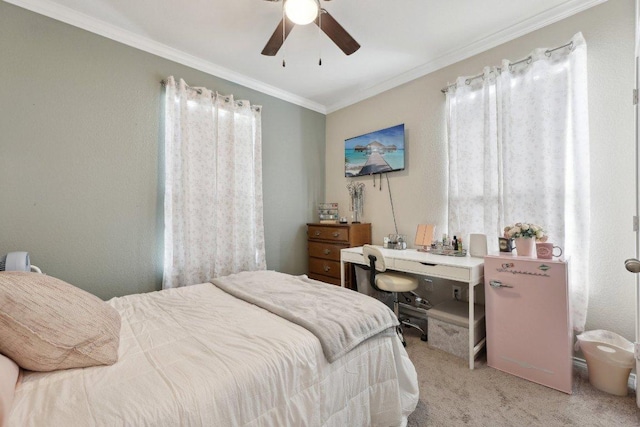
point(303, 12)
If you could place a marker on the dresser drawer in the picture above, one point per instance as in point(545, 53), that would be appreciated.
point(324, 243)
point(325, 250)
point(324, 267)
point(336, 234)
point(326, 279)
point(442, 271)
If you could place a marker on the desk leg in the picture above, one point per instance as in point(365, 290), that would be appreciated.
point(472, 335)
point(341, 271)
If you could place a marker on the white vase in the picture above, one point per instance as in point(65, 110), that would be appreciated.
point(525, 246)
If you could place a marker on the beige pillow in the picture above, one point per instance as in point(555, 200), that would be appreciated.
point(47, 324)
point(8, 378)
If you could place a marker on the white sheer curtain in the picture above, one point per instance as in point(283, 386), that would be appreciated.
point(474, 190)
point(519, 152)
point(213, 209)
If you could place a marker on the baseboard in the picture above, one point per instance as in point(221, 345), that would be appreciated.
point(582, 364)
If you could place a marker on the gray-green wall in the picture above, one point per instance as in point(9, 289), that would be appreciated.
point(81, 157)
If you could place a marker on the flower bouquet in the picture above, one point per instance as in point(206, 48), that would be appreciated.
point(525, 234)
point(526, 230)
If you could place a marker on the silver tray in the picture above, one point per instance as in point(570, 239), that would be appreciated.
point(448, 252)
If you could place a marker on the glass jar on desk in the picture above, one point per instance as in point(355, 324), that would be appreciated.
point(397, 241)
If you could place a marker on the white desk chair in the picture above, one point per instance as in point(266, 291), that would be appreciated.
point(390, 282)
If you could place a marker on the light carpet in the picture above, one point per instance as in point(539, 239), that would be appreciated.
point(453, 395)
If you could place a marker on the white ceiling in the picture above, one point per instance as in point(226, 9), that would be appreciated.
point(401, 39)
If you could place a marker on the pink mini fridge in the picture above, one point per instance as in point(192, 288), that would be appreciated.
point(529, 331)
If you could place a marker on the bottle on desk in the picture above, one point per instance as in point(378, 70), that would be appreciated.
point(455, 243)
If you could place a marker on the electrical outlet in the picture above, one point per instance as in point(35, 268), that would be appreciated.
point(428, 284)
point(457, 292)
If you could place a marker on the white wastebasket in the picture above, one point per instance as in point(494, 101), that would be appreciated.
point(609, 360)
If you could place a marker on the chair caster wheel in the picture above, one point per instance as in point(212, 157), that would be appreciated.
point(423, 337)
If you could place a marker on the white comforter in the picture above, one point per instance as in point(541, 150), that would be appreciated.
point(197, 356)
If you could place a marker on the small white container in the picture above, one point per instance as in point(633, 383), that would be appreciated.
point(449, 327)
point(609, 360)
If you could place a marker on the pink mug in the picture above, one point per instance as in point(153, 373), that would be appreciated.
point(545, 250)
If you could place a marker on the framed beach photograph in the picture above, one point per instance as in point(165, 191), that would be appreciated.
point(375, 152)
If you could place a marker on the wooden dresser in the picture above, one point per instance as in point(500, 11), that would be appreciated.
point(324, 242)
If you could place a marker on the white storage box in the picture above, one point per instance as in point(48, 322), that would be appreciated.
point(449, 327)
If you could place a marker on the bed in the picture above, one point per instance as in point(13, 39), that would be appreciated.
point(200, 356)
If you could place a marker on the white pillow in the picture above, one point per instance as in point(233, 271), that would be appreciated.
point(47, 324)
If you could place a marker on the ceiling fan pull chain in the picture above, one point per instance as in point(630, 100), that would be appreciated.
point(319, 38)
point(284, 35)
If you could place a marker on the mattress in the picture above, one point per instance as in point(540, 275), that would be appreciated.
point(197, 356)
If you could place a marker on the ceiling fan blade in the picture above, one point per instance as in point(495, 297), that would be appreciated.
point(275, 42)
point(337, 33)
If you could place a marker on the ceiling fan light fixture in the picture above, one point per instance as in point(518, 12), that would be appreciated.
point(301, 12)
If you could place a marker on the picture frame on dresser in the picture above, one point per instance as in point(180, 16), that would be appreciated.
point(324, 242)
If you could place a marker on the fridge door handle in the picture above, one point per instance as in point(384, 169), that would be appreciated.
point(498, 284)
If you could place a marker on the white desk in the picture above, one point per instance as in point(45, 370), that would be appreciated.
point(462, 269)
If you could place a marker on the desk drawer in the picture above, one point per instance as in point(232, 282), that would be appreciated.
point(353, 258)
point(442, 271)
point(336, 234)
point(325, 250)
point(324, 267)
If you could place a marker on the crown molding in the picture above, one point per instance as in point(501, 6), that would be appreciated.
point(513, 32)
point(88, 23)
point(93, 25)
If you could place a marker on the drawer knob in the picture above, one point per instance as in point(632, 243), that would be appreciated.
point(336, 234)
point(326, 268)
point(317, 233)
point(327, 251)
